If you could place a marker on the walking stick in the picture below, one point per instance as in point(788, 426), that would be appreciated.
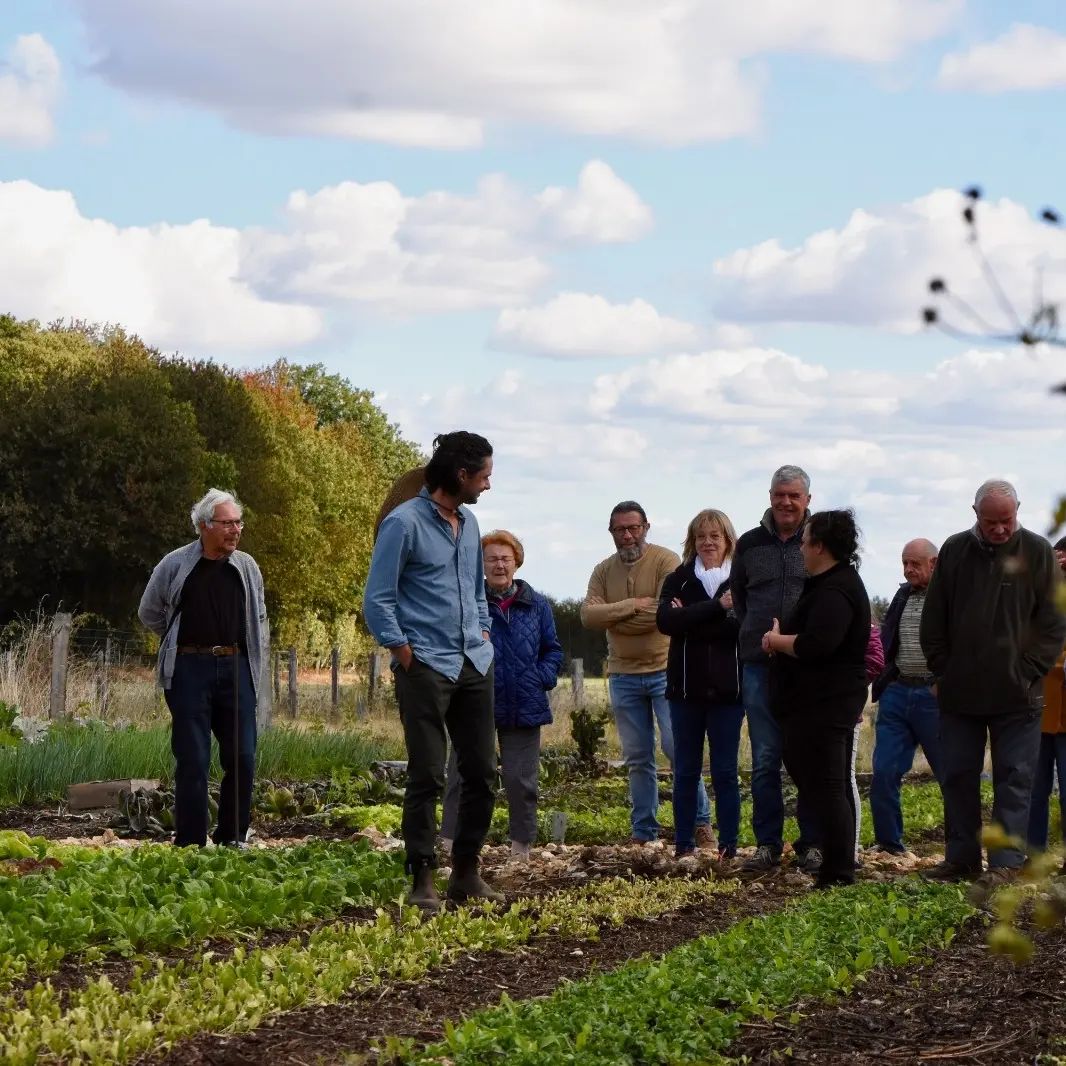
point(236, 746)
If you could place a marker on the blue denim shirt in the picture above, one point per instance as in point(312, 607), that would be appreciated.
point(426, 588)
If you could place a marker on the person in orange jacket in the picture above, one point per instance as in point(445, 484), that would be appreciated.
point(1051, 762)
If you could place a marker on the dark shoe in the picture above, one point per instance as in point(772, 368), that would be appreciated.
point(237, 845)
point(705, 838)
point(466, 883)
point(680, 853)
point(809, 861)
point(639, 842)
point(950, 871)
point(764, 859)
point(424, 893)
point(834, 882)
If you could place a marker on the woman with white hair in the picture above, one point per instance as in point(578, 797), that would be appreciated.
point(527, 660)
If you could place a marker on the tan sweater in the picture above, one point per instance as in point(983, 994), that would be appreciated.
point(634, 644)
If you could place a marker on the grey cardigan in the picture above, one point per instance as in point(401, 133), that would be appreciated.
point(160, 608)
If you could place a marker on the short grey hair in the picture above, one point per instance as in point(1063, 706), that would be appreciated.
point(995, 487)
point(784, 474)
point(204, 509)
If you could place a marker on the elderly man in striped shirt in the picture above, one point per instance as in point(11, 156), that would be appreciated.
point(907, 713)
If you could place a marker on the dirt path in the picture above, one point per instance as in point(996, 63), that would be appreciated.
point(964, 1008)
point(324, 1034)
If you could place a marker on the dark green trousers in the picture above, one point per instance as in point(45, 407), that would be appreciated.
point(432, 709)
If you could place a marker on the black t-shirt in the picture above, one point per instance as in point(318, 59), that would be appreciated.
point(212, 605)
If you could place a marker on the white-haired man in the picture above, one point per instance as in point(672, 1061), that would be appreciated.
point(990, 631)
point(205, 603)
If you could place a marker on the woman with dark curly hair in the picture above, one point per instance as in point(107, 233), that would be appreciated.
point(818, 684)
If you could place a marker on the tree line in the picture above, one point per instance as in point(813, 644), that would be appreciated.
point(105, 443)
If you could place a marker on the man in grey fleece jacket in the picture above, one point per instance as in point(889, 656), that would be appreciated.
point(205, 603)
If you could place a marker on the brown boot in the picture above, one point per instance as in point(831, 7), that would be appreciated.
point(466, 883)
point(424, 893)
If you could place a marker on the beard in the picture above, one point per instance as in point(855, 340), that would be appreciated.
point(631, 554)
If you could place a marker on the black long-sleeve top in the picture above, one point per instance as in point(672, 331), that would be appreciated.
point(827, 676)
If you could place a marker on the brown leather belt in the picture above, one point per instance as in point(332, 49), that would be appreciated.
point(209, 649)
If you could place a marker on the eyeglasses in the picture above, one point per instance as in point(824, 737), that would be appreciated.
point(228, 523)
point(633, 531)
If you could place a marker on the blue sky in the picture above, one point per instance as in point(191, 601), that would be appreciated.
point(486, 192)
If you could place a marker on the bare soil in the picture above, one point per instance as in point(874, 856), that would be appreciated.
point(964, 1007)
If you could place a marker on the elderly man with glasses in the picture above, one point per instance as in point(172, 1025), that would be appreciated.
point(205, 603)
point(623, 599)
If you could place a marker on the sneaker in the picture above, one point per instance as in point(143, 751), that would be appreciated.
point(810, 862)
point(764, 859)
point(705, 838)
point(951, 871)
point(883, 849)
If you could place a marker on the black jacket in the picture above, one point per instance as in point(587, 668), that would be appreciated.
point(990, 628)
point(827, 677)
point(890, 640)
point(767, 580)
point(702, 663)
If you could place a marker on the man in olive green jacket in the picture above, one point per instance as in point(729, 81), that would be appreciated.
point(990, 631)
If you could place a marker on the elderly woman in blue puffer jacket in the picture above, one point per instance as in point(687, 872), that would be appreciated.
point(528, 657)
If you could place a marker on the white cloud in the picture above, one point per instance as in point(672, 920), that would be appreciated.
point(438, 75)
point(1025, 57)
point(602, 208)
point(175, 285)
point(30, 84)
point(222, 289)
point(683, 432)
point(438, 252)
point(577, 325)
point(876, 268)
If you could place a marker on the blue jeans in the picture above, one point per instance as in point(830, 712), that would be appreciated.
point(200, 699)
point(1050, 763)
point(906, 717)
point(720, 723)
point(638, 700)
point(767, 803)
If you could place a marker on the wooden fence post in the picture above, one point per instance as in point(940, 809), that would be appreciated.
point(577, 681)
point(103, 680)
point(373, 677)
point(335, 677)
point(57, 696)
point(292, 683)
point(277, 676)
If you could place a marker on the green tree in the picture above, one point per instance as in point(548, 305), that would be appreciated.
point(95, 452)
point(589, 645)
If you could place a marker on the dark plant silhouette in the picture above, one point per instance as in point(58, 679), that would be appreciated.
point(1042, 324)
point(1041, 327)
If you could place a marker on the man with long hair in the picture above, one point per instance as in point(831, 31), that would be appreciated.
point(425, 601)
